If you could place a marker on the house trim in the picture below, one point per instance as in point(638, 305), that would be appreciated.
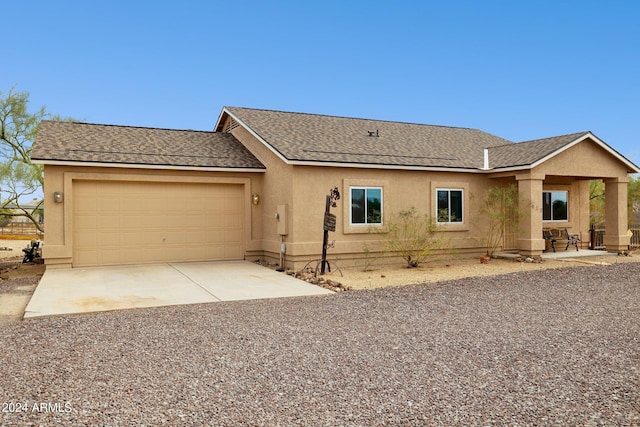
point(145, 166)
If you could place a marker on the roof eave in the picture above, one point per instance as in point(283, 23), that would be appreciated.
point(145, 166)
point(380, 166)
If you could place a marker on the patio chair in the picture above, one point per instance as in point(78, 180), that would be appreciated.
point(572, 239)
point(548, 235)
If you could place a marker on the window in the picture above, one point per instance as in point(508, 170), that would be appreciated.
point(555, 206)
point(449, 205)
point(366, 205)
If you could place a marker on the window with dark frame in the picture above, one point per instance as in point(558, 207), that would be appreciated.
point(555, 206)
point(366, 205)
point(449, 205)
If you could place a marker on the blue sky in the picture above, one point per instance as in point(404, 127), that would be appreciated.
point(520, 70)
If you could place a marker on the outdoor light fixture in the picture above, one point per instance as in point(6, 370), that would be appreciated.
point(255, 198)
point(57, 196)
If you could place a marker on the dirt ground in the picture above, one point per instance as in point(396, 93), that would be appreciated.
point(457, 267)
point(17, 280)
point(17, 283)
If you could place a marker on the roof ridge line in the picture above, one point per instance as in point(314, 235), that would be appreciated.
point(556, 136)
point(356, 118)
point(129, 126)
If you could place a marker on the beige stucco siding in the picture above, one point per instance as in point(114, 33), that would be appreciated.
point(275, 188)
point(586, 159)
point(304, 189)
point(401, 190)
point(59, 218)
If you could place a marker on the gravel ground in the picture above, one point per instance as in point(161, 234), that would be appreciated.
point(458, 267)
point(550, 347)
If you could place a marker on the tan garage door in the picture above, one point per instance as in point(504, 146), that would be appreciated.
point(141, 222)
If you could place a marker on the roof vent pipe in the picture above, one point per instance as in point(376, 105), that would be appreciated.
point(486, 158)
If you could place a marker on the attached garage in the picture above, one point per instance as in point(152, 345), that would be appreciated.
point(140, 222)
point(130, 195)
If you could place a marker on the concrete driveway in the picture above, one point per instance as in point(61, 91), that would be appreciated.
point(82, 290)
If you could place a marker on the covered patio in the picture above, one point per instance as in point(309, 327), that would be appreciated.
point(553, 183)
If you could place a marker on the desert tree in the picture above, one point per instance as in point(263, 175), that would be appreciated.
point(20, 179)
point(597, 200)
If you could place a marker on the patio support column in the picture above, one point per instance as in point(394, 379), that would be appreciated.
point(530, 240)
point(616, 223)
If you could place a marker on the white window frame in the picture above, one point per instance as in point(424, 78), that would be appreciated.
point(365, 188)
point(566, 198)
point(449, 190)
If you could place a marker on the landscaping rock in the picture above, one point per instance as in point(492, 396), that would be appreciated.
point(535, 259)
point(549, 347)
point(309, 275)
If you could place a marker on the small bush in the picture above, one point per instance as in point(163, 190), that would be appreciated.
point(414, 236)
point(501, 206)
point(370, 256)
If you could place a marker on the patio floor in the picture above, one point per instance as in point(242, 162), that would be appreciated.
point(561, 254)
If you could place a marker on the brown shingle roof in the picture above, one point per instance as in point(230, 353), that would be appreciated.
point(319, 138)
point(528, 152)
point(92, 143)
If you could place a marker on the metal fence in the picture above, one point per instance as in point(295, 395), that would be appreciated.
point(597, 237)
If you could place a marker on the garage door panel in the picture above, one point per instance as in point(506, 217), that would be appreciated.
point(87, 258)
point(194, 237)
point(136, 205)
point(230, 252)
point(175, 221)
point(194, 220)
point(132, 222)
point(109, 239)
point(233, 221)
point(110, 221)
point(88, 240)
point(214, 252)
point(233, 203)
point(173, 238)
point(232, 237)
point(86, 222)
point(83, 205)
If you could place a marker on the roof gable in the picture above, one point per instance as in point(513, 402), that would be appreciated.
point(70, 142)
point(529, 154)
point(300, 138)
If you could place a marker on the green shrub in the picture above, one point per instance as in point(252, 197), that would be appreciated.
point(414, 236)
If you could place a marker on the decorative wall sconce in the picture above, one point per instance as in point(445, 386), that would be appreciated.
point(57, 196)
point(255, 198)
